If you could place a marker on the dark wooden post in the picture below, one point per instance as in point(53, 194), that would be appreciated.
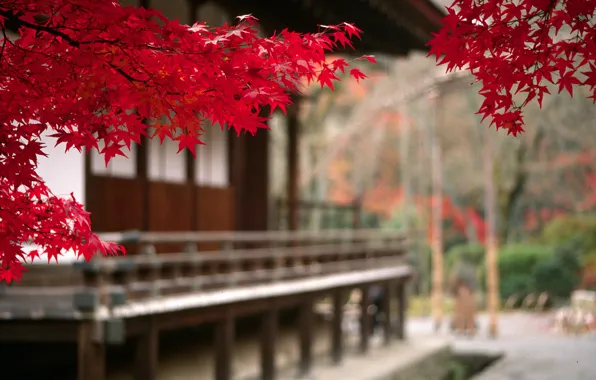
point(388, 323)
point(365, 322)
point(147, 351)
point(305, 335)
point(356, 212)
point(337, 343)
point(401, 311)
point(224, 345)
point(292, 170)
point(90, 352)
point(269, 322)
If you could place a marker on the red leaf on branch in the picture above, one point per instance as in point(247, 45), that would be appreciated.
point(515, 46)
point(357, 74)
point(95, 74)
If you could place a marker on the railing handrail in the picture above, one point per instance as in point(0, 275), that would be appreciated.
point(134, 236)
point(116, 263)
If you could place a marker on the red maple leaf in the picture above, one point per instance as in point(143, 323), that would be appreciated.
point(517, 46)
point(95, 75)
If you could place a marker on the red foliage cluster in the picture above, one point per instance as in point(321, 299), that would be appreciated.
point(96, 75)
point(519, 46)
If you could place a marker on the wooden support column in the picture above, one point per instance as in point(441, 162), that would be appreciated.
point(251, 187)
point(401, 311)
point(305, 336)
point(142, 154)
point(365, 320)
point(147, 351)
point(269, 325)
point(389, 322)
point(337, 341)
point(293, 193)
point(90, 352)
point(224, 345)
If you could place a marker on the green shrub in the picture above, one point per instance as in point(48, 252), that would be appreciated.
point(560, 274)
point(530, 268)
point(516, 265)
point(563, 230)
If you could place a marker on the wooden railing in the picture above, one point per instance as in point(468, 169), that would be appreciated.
point(277, 256)
point(109, 300)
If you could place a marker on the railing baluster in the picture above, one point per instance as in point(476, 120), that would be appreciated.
point(194, 266)
point(227, 248)
point(154, 268)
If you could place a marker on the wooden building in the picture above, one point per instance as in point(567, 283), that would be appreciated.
point(226, 186)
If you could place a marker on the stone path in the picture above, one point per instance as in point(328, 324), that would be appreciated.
point(531, 351)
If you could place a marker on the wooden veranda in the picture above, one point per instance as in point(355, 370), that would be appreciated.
point(110, 301)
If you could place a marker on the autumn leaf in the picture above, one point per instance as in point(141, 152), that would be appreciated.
point(357, 74)
point(100, 76)
point(517, 46)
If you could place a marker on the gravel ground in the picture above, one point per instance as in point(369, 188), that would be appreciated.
point(531, 351)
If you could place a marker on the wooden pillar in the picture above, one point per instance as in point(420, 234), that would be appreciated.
point(293, 193)
point(305, 336)
point(90, 352)
point(147, 352)
point(388, 322)
point(141, 172)
point(269, 327)
point(224, 345)
point(365, 322)
point(402, 303)
point(251, 187)
point(337, 342)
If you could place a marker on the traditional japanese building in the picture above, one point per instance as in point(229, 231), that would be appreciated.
point(226, 187)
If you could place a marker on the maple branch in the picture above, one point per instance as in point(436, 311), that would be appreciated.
point(11, 17)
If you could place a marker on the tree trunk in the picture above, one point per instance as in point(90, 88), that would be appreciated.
point(492, 269)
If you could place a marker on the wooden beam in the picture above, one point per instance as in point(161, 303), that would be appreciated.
point(305, 331)
point(147, 351)
point(90, 352)
point(365, 322)
point(224, 345)
point(337, 341)
point(38, 331)
point(269, 327)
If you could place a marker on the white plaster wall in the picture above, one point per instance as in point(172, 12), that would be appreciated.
point(212, 159)
point(63, 172)
point(164, 164)
point(119, 166)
